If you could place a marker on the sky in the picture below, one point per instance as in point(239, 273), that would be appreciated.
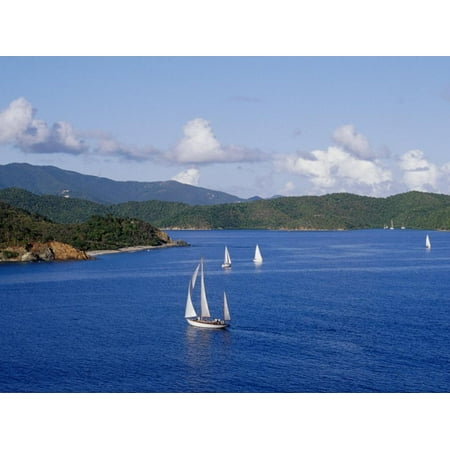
point(246, 125)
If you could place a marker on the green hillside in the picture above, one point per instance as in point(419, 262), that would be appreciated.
point(332, 211)
point(56, 208)
point(19, 227)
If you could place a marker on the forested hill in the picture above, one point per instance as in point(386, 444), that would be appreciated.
point(19, 227)
point(332, 211)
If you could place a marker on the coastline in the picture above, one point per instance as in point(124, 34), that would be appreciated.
point(136, 248)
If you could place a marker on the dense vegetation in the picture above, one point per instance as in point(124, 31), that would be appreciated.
point(19, 227)
point(333, 211)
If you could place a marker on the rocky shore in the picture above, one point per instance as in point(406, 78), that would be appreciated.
point(58, 251)
point(42, 251)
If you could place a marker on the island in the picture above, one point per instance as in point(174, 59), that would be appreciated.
point(28, 237)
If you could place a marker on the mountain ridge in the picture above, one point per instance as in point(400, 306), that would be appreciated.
point(51, 180)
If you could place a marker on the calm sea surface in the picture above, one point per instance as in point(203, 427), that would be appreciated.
point(354, 311)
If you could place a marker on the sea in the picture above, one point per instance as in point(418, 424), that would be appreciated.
point(365, 311)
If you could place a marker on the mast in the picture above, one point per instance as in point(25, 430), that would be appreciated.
point(203, 300)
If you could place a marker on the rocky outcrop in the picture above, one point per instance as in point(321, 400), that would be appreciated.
point(42, 251)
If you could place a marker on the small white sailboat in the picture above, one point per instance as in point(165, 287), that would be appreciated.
point(392, 225)
point(203, 321)
point(427, 242)
point(226, 260)
point(258, 259)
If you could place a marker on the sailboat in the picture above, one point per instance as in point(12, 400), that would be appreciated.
point(427, 242)
point(258, 259)
point(203, 321)
point(226, 260)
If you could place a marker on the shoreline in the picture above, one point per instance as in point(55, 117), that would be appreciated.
point(136, 248)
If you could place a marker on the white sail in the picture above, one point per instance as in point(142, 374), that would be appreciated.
point(203, 300)
point(226, 311)
point(258, 257)
point(427, 242)
point(190, 310)
point(226, 259)
point(194, 276)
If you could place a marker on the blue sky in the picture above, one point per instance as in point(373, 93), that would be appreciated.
point(244, 125)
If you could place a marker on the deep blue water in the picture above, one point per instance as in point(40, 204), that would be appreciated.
point(354, 311)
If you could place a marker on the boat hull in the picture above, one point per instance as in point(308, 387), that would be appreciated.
point(226, 266)
point(202, 323)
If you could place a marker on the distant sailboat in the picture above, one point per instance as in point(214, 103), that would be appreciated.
point(203, 321)
point(258, 259)
point(427, 242)
point(226, 260)
point(392, 225)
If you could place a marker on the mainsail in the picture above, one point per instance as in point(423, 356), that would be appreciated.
point(190, 310)
point(226, 259)
point(226, 311)
point(258, 257)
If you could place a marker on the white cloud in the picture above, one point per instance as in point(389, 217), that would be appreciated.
point(356, 143)
point(189, 176)
point(36, 133)
point(15, 119)
point(413, 160)
point(19, 128)
point(418, 173)
point(200, 146)
point(335, 170)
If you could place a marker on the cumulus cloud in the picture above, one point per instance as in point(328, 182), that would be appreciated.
point(418, 173)
point(198, 143)
point(189, 176)
point(19, 127)
point(335, 169)
point(353, 166)
point(15, 119)
point(355, 143)
point(199, 146)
